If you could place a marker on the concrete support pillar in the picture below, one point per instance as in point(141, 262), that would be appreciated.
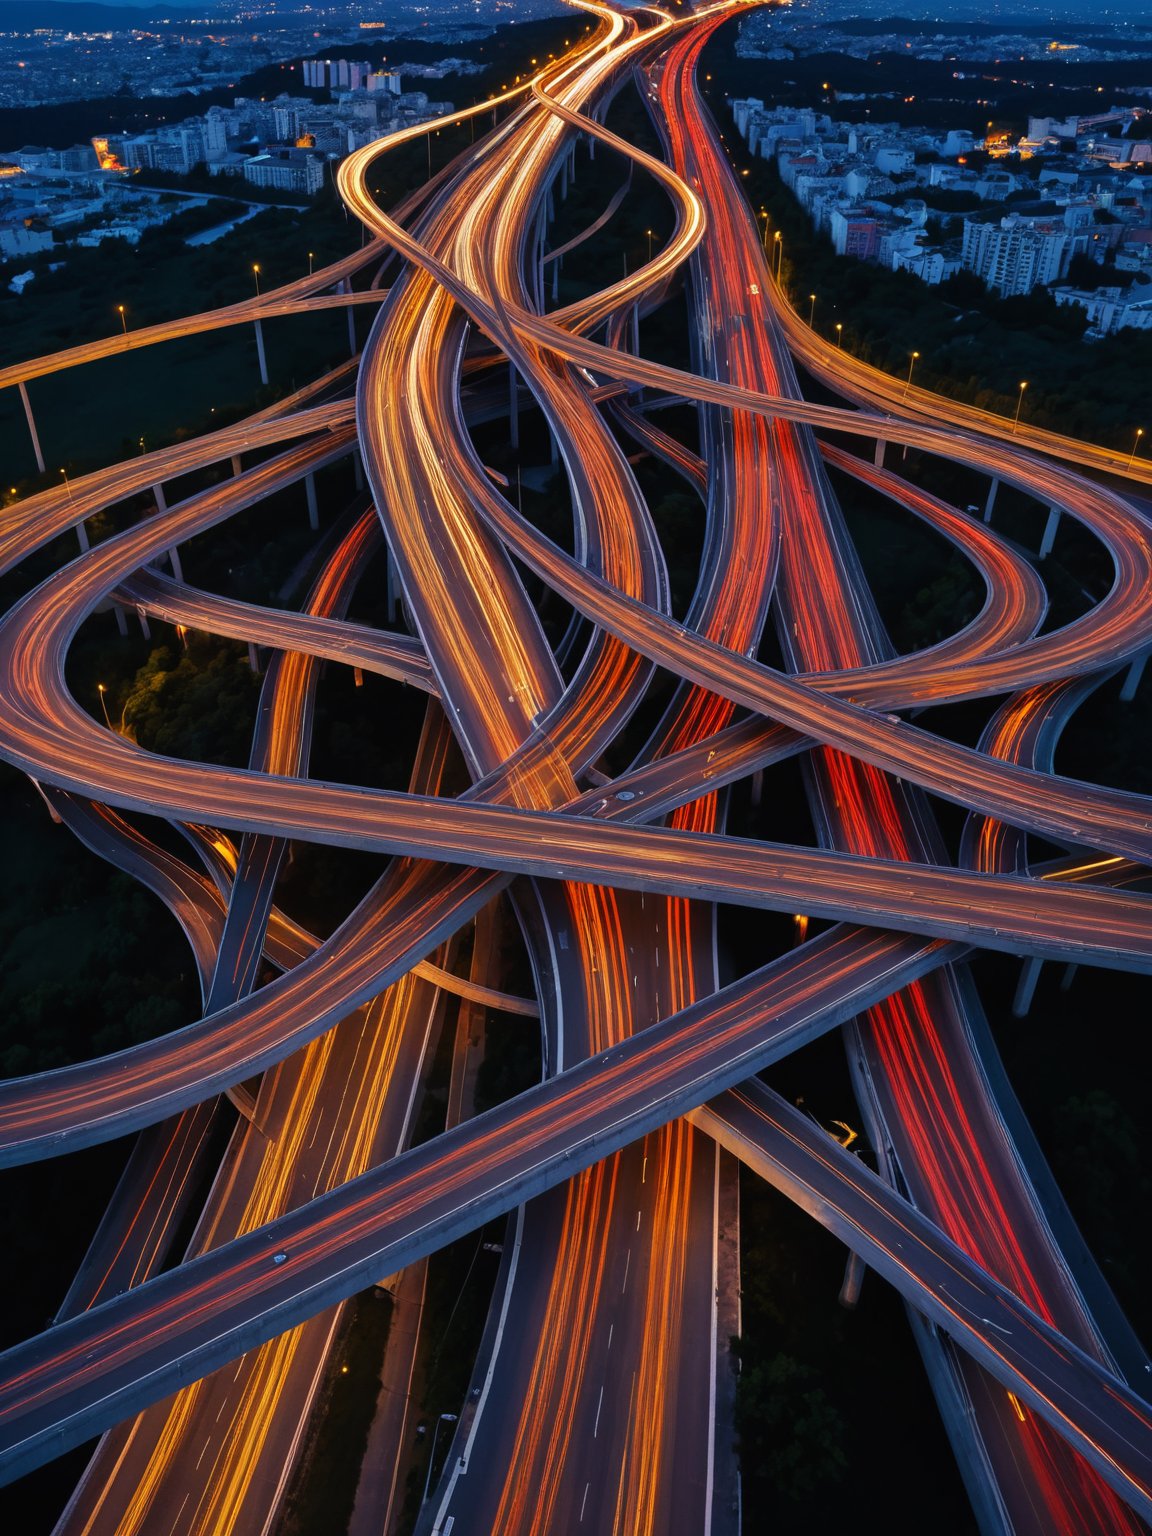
point(260, 351)
point(31, 420)
point(161, 503)
point(550, 207)
point(313, 508)
point(757, 788)
point(351, 313)
point(237, 465)
point(174, 561)
point(853, 1280)
point(636, 330)
point(1029, 976)
point(121, 618)
point(556, 279)
point(1132, 678)
point(991, 502)
point(1050, 528)
point(878, 458)
point(357, 468)
point(145, 627)
point(393, 587)
point(254, 663)
point(513, 408)
point(1069, 974)
point(564, 181)
point(82, 536)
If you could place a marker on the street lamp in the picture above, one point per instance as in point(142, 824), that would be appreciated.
point(1135, 447)
point(101, 690)
point(445, 1418)
point(767, 221)
point(310, 256)
point(67, 483)
point(1019, 403)
point(811, 310)
point(908, 380)
point(123, 318)
point(839, 333)
point(779, 240)
point(256, 275)
point(648, 232)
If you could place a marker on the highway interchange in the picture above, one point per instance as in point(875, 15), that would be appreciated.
point(650, 1063)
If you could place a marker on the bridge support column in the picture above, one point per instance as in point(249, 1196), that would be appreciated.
point(313, 509)
point(237, 465)
point(1026, 988)
point(161, 503)
point(1050, 528)
point(991, 502)
point(393, 588)
point(513, 408)
point(550, 207)
point(357, 468)
point(31, 420)
point(254, 663)
point(351, 313)
point(878, 460)
point(121, 618)
point(243, 1100)
point(636, 330)
point(174, 561)
point(260, 352)
point(145, 627)
point(757, 788)
point(853, 1280)
point(1068, 976)
point(1132, 678)
point(556, 280)
point(564, 181)
point(82, 536)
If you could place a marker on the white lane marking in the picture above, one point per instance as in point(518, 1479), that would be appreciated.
point(599, 1405)
point(638, 1216)
point(584, 1501)
point(627, 1261)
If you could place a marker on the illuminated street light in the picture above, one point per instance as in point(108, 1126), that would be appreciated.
point(779, 239)
point(123, 318)
point(1135, 448)
point(811, 310)
point(1019, 403)
point(445, 1418)
point(839, 333)
point(310, 255)
point(767, 221)
point(101, 690)
point(908, 380)
point(256, 275)
point(648, 232)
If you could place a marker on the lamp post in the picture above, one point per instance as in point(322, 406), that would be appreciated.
point(779, 244)
point(908, 380)
point(811, 310)
point(648, 232)
point(123, 318)
point(1019, 403)
point(1135, 448)
point(767, 221)
point(839, 333)
point(256, 275)
point(101, 690)
point(67, 483)
point(445, 1418)
point(310, 256)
